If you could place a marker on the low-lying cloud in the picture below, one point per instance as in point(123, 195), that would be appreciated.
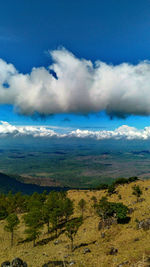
point(78, 86)
point(123, 132)
point(6, 130)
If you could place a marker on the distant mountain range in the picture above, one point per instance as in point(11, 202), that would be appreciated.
point(9, 183)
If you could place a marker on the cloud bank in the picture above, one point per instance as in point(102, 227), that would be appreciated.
point(73, 85)
point(123, 132)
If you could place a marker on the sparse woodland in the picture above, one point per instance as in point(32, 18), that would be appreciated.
point(86, 227)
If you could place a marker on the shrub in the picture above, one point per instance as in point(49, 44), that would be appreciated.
point(137, 191)
point(102, 186)
point(107, 209)
point(111, 189)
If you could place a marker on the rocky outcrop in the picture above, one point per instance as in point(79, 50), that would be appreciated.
point(107, 223)
point(123, 263)
point(55, 263)
point(86, 250)
point(144, 224)
point(17, 262)
point(113, 251)
point(6, 264)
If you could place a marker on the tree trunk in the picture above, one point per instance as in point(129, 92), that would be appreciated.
point(66, 218)
point(82, 213)
point(48, 227)
point(56, 232)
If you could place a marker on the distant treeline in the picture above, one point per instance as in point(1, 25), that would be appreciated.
point(118, 181)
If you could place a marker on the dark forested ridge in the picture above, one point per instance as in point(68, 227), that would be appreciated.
point(9, 183)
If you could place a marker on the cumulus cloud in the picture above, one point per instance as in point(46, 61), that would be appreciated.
point(78, 86)
point(6, 129)
point(123, 132)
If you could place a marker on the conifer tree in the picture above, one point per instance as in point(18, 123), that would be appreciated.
point(72, 229)
point(82, 206)
point(34, 223)
point(33, 219)
point(12, 223)
point(67, 207)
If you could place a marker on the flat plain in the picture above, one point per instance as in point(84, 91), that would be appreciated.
point(75, 165)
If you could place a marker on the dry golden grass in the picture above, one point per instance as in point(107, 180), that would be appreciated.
point(121, 237)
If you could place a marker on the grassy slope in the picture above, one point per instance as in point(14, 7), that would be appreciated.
point(119, 236)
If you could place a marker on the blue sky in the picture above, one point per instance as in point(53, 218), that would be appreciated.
point(113, 31)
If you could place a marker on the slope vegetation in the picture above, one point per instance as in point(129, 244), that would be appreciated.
point(131, 245)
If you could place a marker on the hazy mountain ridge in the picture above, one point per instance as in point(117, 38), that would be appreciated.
point(9, 183)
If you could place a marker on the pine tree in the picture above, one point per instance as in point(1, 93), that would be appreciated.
point(12, 223)
point(72, 229)
point(82, 205)
point(34, 223)
point(67, 207)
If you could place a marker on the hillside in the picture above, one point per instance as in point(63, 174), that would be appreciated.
point(9, 183)
point(132, 244)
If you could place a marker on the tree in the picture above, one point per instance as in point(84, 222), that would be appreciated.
point(133, 179)
point(12, 223)
point(111, 189)
point(3, 212)
point(102, 187)
point(34, 223)
point(67, 208)
point(11, 206)
point(103, 208)
point(72, 229)
point(34, 203)
point(46, 213)
point(137, 191)
point(33, 219)
point(56, 214)
point(107, 209)
point(82, 205)
point(121, 181)
point(94, 204)
point(56, 208)
point(54, 204)
point(120, 211)
point(20, 202)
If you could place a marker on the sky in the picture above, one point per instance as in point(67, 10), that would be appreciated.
point(70, 65)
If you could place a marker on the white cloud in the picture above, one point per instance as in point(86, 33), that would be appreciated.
point(7, 129)
point(123, 132)
point(79, 87)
